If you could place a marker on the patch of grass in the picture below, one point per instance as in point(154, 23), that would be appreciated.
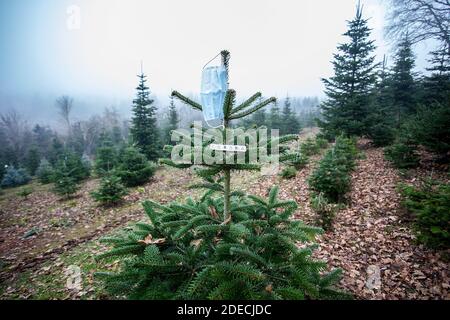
point(17, 221)
point(29, 285)
point(140, 190)
point(49, 281)
point(24, 192)
point(71, 203)
point(60, 222)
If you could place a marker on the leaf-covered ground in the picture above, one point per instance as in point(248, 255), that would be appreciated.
point(371, 241)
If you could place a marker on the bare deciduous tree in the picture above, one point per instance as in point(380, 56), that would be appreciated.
point(111, 117)
point(12, 123)
point(421, 19)
point(92, 129)
point(64, 105)
point(15, 131)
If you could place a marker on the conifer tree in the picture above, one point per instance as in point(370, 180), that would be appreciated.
point(275, 120)
point(403, 83)
point(134, 169)
point(437, 84)
point(332, 176)
point(144, 130)
point(2, 168)
point(430, 125)
point(291, 124)
point(66, 177)
point(349, 89)
point(45, 171)
point(227, 245)
point(106, 159)
point(15, 177)
point(430, 128)
point(116, 135)
point(259, 118)
point(381, 117)
point(71, 162)
point(32, 160)
point(56, 150)
point(172, 121)
point(76, 141)
point(111, 190)
point(42, 139)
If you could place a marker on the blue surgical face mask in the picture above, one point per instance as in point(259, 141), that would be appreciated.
point(213, 91)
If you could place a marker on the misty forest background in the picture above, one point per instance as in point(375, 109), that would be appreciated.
point(378, 116)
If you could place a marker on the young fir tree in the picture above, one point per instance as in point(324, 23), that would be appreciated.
point(116, 135)
point(111, 190)
point(76, 140)
point(2, 168)
point(275, 120)
point(106, 158)
point(45, 172)
point(430, 128)
point(134, 169)
point(42, 139)
point(172, 122)
point(259, 118)
point(349, 90)
point(66, 178)
point(32, 160)
point(381, 117)
point(403, 83)
point(429, 125)
point(291, 124)
point(332, 176)
point(436, 86)
point(15, 177)
point(227, 245)
point(78, 168)
point(69, 171)
point(144, 130)
point(56, 150)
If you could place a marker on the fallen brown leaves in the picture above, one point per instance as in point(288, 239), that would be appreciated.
point(371, 241)
point(149, 240)
point(370, 235)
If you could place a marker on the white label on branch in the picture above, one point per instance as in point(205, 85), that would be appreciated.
point(228, 147)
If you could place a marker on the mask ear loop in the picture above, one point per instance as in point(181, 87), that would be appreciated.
point(210, 61)
point(222, 125)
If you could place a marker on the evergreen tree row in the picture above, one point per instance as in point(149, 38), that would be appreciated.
point(395, 106)
point(286, 120)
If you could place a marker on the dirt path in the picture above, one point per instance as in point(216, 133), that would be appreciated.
point(369, 235)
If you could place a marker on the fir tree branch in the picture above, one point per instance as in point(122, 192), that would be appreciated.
point(170, 163)
point(253, 109)
point(187, 101)
point(246, 103)
point(228, 103)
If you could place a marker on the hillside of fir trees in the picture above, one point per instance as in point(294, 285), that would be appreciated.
point(359, 207)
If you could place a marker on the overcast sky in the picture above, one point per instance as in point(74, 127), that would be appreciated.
point(277, 46)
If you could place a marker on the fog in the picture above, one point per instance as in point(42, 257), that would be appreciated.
point(93, 49)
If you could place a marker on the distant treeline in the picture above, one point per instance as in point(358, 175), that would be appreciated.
point(23, 145)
